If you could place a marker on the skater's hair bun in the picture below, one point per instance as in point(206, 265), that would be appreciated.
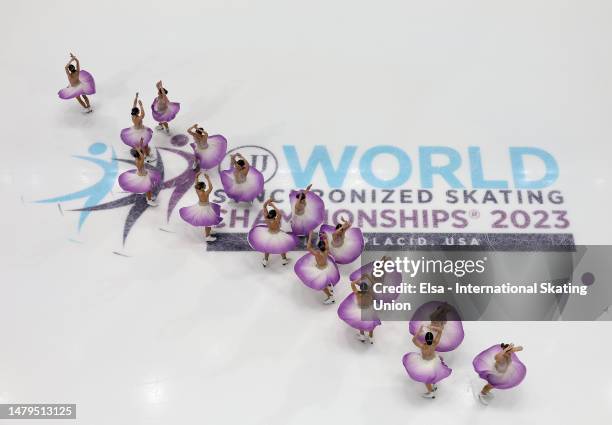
point(271, 213)
point(71, 68)
point(134, 153)
point(200, 185)
point(321, 245)
point(504, 346)
point(300, 196)
point(429, 338)
point(338, 226)
point(363, 287)
point(199, 130)
point(135, 111)
point(240, 162)
point(165, 91)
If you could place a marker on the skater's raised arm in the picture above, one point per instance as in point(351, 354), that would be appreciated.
point(76, 62)
point(437, 338)
point(142, 111)
point(307, 188)
point(161, 91)
point(208, 184)
point(415, 338)
point(191, 129)
point(309, 244)
point(135, 101)
point(196, 180)
point(356, 282)
point(264, 208)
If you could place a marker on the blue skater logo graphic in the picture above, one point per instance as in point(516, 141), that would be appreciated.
point(98, 191)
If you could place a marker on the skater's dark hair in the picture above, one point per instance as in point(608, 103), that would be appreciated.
point(321, 245)
point(504, 346)
point(135, 111)
point(300, 196)
point(363, 287)
point(429, 338)
point(338, 226)
point(240, 162)
point(200, 130)
point(200, 185)
point(271, 214)
point(71, 68)
point(165, 91)
point(134, 153)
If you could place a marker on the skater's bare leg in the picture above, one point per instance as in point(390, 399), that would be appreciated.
point(327, 292)
point(486, 389)
point(86, 100)
point(81, 101)
point(206, 231)
point(149, 195)
point(429, 387)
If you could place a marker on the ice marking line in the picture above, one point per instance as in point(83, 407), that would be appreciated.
point(120, 254)
point(75, 241)
point(166, 230)
point(59, 207)
point(400, 241)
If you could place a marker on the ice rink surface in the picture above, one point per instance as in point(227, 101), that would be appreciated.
point(156, 329)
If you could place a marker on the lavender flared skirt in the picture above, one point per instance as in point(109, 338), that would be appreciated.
point(131, 181)
point(425, 371)
point(202, 214)
point(213, 154)
point(362, 319)
point(391, 279)
point(131, 136)
point(314, 277)
point(86, 85)
point(351, 247)
point(311, 218)
point(167, 114)
point(261, 239)
point(484, 365)
point(452, 335)
point(245, 191)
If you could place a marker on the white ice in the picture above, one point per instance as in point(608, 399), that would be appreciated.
point(167, 333)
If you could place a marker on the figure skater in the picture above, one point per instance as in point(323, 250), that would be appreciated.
point(426, 367)
point(242, 182)
point(500, 367)
point(204, 213)
point(387, 280)
point(81, 84)
point(317, 270)
point(164, 111)
point(140, 180)
point(358, 308)
point(131, 136)
point(346, 241)
point(208, 151)
point(439, 315)
point(307, 211)
point(269, 238)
